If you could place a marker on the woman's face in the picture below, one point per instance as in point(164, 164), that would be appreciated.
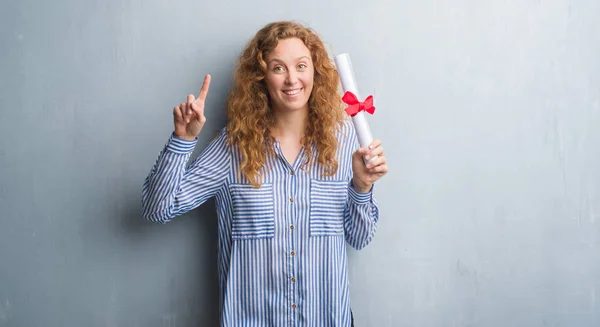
point(290, 75)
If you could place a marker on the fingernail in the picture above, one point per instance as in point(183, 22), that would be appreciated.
point(367, 157)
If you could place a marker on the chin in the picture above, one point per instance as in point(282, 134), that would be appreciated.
point(297, 107)
point(293, 106)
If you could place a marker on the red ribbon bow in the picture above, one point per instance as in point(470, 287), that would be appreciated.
point(356, 106)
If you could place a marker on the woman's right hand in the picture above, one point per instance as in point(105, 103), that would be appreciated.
point(188, 117)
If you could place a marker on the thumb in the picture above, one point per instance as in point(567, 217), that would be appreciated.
point(360, 152)
point(198, 109)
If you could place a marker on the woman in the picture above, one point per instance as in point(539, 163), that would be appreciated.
point(289, 183)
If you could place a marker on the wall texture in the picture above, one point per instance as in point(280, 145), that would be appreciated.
point(488, 110)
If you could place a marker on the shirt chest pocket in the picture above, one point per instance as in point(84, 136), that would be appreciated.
point(253, 211)
point(327, 204)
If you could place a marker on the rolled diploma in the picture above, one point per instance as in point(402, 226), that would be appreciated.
point(346, 72)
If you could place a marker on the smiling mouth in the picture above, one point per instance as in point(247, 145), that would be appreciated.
point(292, 92)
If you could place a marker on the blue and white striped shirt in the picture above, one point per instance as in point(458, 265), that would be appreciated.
point(282, 254)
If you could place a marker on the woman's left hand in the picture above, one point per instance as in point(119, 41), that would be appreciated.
point(365, 175)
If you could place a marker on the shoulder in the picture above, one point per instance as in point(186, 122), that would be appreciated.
point(346, 132)
point(221, 135)
point(219, 140)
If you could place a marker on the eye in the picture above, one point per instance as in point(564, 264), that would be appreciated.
point(302, 66)
point(278, 69)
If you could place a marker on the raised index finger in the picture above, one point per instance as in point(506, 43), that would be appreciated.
point(204, 89)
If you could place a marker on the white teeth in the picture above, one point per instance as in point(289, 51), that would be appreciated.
point(292, 92)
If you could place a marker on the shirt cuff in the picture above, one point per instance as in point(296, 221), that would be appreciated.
point(181, 146)
point(360, 197)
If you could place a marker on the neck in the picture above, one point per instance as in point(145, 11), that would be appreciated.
point(290, 124)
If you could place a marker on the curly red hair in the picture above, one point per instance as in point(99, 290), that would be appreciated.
point(248, 106)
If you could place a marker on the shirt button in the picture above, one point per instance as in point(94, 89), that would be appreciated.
point(293, 253)
point(292, 227)
point(291, 199)
point(293, 280)
point(292, 172)
point(294, 306)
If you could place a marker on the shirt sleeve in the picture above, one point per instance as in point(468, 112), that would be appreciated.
point(171, 188)
point(362, 211)
point(360, 217)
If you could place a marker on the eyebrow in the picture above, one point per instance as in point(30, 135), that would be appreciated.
point(297, 59)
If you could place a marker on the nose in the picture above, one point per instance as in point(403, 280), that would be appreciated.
point(292, 77)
